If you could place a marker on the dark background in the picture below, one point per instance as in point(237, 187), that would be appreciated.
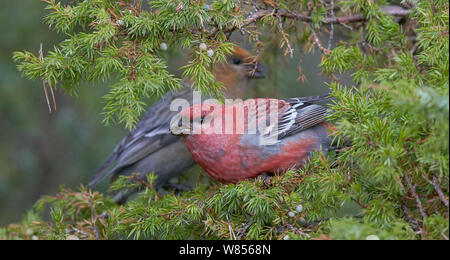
point(40, 151)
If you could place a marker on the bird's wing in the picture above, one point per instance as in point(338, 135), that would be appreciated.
point(151, 134)
point(276, 119)
point(301, 114)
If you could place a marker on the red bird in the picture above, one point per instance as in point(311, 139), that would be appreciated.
point(244, 140)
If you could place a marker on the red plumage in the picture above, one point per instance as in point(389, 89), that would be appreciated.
point(256, 144)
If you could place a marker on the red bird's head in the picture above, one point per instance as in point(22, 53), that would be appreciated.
point(196, 118)
point(234, 117)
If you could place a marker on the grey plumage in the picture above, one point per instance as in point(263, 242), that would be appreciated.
point(140, 151)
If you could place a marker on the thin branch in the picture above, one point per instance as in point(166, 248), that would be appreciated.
point(53, 96)
point(79, 231)
point(285, 37)
point(330, 39)
point(230, 228)
point(416, 197)
point(408, 217)
point(41, 58)
point(392, 10)
point(93, 221)
point(301, 75)
point(141, 181)
point(46, 96)
point(364, 206)
point(317, 41)
point(438, 190)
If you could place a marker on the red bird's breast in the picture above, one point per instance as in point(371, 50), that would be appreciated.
point(230, 158)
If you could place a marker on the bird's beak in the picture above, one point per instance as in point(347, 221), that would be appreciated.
point(178, 129)
point(176, 132)
point(256, 71)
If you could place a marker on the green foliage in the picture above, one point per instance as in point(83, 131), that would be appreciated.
point(348, 228)
point(394, 124)
point(106, 38)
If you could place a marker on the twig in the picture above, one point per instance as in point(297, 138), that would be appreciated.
point(79, 231)
point(317, 41)
point(360, 204)
point(408, 214)
point(46, 96)
point(255, 5)
point(141, 181)
point(297, 230)
point(438, 190)
point(330, 39)
point(285, 37)
point(242, 231)
point(392, 10)
point(53, 96)
point(94, 220)
point(230, 228)
point(363, 38)
point(41, 58)
point(416, 197)
point(301, 75)
point(313, 223)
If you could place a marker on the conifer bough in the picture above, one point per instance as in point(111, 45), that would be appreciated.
point(124, 38)
point(395, 173)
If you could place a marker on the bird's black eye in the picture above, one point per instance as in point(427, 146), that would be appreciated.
point(236, 61)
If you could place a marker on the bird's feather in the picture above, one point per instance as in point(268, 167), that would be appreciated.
point(300, 114)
